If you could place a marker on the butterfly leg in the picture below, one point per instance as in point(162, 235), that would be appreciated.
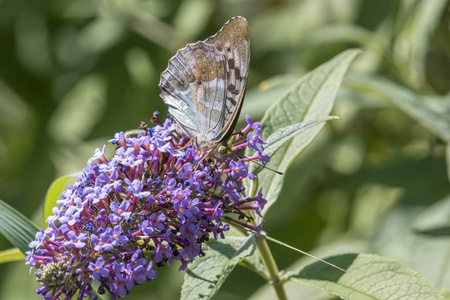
point(190, 141)
point(204, 157)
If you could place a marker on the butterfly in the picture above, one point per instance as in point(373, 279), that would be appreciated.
point(204, 86)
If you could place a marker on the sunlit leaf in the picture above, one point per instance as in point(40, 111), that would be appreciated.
point(375, 44)
point(368, 209)
point(289, 23)
point(430, 257)
point(79, 111)
point(184, 22)
point(435, 219)
point(54, 192)
point(368, 277)
point(447, 151)
point(311, 98)
point(140, 66)
point(259, 99)
point(431, 113)
point(411, 45)
point(294, 289)
point(282, 135)
point(409, 233)
point(344, 33)
point(255, 264)
point(15, 227)
point(11, 255)
point(101, 34)
point(206, 275)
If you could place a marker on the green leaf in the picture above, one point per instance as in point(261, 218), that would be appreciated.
point(192, 27)
point(11, 255)
point(367, 208)
point(15, 227)
point(259, 99)
point(447, 152)
point(55, 190)
point(79, 111)
point(101, 35)
point(368, 277)
point(206, 275)
point(282, 135)
point(295, 290)
point(434, 220)
point(311, 98)
point(433, 113)
point(427, 254)
point(430, 257)
point(376, 44)
point(255, 264)
point(411, 44)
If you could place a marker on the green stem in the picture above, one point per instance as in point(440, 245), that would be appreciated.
point(271, 266)
point(266, 256)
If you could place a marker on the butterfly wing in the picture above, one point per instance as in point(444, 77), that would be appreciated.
point(233, 40)
point(204, 84)
point(194, 86)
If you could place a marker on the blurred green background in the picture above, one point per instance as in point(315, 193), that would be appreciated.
point(72, 73)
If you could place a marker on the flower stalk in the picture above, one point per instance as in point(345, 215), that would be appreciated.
point(271, 267)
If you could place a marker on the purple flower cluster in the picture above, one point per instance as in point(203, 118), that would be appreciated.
point(155, 201)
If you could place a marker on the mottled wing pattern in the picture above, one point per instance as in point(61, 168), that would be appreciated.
point(204, 84)
point(194, 86)
point(233, 40)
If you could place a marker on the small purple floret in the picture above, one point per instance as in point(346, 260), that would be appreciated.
point(150, 196)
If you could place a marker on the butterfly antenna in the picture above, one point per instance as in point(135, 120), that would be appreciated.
point(273, 170)
point(265, 236)
point(303, 252)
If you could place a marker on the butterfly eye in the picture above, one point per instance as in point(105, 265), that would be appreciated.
point(223, 150)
